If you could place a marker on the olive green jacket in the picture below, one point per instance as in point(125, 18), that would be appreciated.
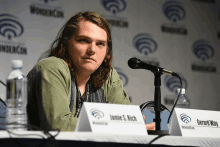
point(49, 88)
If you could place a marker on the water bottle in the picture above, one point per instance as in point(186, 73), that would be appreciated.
point(16, 98)
point(182, 101)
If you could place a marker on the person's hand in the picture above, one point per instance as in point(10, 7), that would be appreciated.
point(149, 126)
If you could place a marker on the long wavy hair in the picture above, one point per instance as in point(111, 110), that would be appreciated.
point(60, 46)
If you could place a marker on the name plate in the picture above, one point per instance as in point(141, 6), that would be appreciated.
point(111, 118)
point(195, 123)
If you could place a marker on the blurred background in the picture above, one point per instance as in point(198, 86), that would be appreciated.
point(179, 35)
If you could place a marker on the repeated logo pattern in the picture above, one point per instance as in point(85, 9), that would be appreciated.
point(202, 50)
point(174, 11)
point(10, 27)
point(97, 113)
point(144, 44)
point(122, 76)
point(185, 118)
point(173, 83)
point(114, 6)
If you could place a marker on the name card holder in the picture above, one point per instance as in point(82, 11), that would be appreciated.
point(111, 118)
point(195, 123)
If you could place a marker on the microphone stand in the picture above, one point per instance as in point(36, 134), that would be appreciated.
point(157, 105)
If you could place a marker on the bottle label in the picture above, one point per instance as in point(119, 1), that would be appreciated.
point(16, 92)
point(16, 104)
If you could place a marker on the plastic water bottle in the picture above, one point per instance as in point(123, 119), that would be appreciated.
point(16, 98)
point(182, 101)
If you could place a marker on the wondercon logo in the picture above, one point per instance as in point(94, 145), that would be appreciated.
point(174, 11)
point(202, 50)
point(122, 76)
point(144, 44)
point(46, 1)
point(173, 83)
point(185, 118)
point(114, 6)
point(97, 113)
point(10, 27)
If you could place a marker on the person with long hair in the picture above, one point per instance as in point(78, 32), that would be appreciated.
point(77, 69)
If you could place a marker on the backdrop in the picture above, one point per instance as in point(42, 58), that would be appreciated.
point(179, 35)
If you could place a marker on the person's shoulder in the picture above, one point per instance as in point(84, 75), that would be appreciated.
point(113, 75)
point(52, 62)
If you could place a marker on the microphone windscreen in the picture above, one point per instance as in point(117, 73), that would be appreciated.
point(132, 63)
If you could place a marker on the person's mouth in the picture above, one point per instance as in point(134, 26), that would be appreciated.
point(89, 58)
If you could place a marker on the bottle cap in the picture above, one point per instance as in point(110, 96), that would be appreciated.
point(182, 92)
point(17, 63)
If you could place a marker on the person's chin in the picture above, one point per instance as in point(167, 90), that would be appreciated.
point(90, 70)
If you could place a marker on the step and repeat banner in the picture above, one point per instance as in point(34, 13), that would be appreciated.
point(179, 35)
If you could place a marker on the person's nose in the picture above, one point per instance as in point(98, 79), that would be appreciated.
point(91, 49)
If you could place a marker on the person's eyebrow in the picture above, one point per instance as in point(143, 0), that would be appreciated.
point(83, 36)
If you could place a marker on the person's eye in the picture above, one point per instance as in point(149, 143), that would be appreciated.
point(101, 44)
point(82, 40)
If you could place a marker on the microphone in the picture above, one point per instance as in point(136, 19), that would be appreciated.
point(135, 63)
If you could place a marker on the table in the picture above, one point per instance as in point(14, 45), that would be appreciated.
point(98, 139)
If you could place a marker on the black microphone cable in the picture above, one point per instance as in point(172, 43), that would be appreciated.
point(176, 100)
point(45, 140)
point(159, 136)
point(15, 140)
point(2, 83)
point(135, 63)
point(0, 98)
point(156, 138)
point(50, 136)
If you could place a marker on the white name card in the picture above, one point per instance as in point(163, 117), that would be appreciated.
point(195, 123)
point(111, 118)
